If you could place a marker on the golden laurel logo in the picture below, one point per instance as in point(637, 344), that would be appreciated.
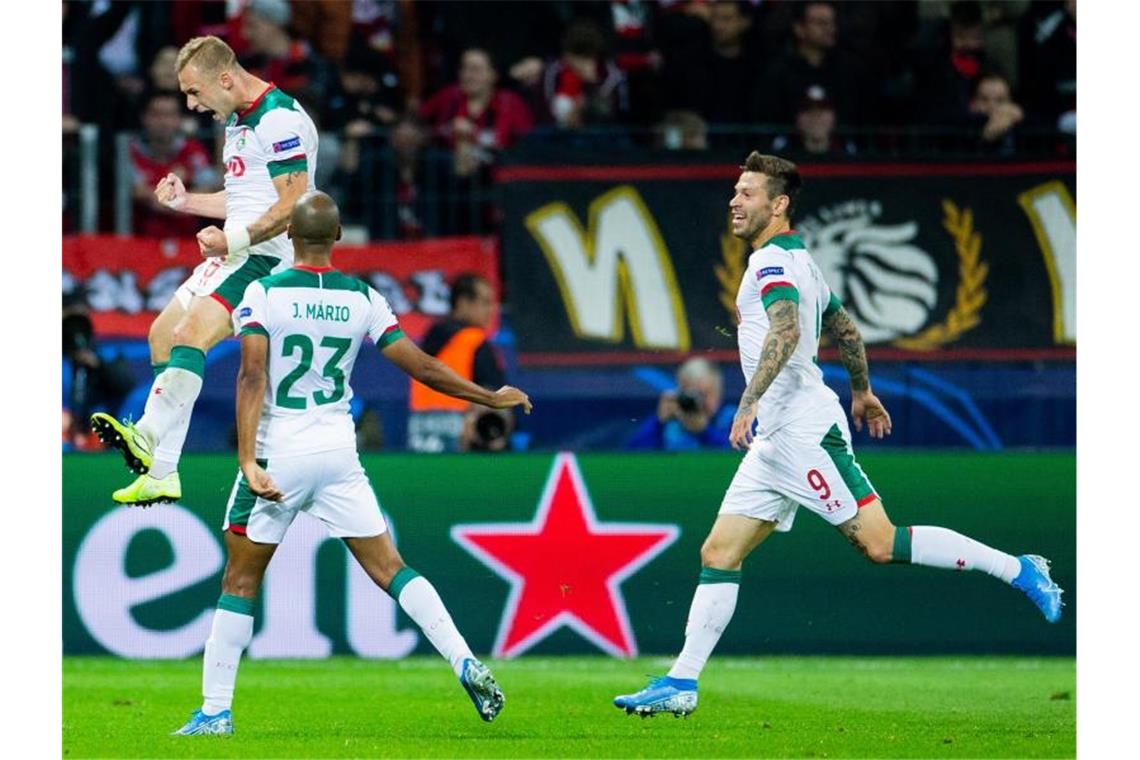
point(971, 295)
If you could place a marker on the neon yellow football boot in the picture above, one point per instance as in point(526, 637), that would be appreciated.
point(125, 437)
point(146, 491)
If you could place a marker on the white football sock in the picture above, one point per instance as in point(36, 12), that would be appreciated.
point(419, 599)
point(713, 604)
point(939, 547)
point(169, 449)
point(174, 391)
point(229, 636)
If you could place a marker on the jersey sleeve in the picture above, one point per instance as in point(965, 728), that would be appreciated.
point(383, 327)
point(833, 304)
point(283, 141)
point(249, 316)
point(775, 281)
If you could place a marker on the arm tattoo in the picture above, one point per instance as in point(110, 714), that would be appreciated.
point(779, 343)
point(274, 221)
point(851, 351)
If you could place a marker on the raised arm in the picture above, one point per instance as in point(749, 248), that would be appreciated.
point(838, 324)
point(170, 192)
point(779, 344)
point(438, 376)
point(251, 382)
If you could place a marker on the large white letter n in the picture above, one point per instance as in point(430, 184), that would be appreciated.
point(619, 258)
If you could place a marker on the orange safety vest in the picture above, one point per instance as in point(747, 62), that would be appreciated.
point(459, 354)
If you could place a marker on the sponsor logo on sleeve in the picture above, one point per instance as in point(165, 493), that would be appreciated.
point(290, 144)
point(245, 312)
point(769, 272)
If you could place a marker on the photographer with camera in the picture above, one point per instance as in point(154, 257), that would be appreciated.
point(690, 416)
point(91, 382)
point(439, 423)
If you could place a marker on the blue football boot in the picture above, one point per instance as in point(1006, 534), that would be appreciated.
point(1034, 580)
point(482, 688)
point(201, 724)
point(662, 695)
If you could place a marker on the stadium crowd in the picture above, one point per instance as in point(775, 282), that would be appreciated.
point(398, 81)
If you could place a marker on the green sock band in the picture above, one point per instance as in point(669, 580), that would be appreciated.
point(158, 368)
point(188, 358)
point(402, 578)
point(900, 553)
point(712, 575)
point(238, 604)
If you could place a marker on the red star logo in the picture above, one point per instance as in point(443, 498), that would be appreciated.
point(565, 567)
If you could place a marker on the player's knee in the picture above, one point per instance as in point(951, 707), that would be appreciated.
point(185, 333)
point(878, 552)
point(719, 556)
point(241, 584)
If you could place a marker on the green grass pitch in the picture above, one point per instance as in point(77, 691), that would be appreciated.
point(561, 707)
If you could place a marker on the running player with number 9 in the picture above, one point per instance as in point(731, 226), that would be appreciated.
point(801, 452)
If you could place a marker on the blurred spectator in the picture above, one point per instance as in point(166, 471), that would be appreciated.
point(691, 416)
point(290, 64)
point(682, 130)
point(163, 77)
point(91, 382)
point(952, 55)
point(325, 24)
point(1048, 54)
point(814, 60)
point(437, 421)
point(519, 34)
point(474, 117)
point(815, 135)
point(995, 110)
point(369, 95)
point(721, 82)
point(162, 149)
point(584, 86)
point(408, 139)
point(391, 29)
point(636, 54)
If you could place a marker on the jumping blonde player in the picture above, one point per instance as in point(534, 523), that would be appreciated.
point(270, 155)
point(301, 331)
point(801, 454)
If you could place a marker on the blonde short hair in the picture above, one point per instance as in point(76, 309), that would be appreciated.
point(209, 54)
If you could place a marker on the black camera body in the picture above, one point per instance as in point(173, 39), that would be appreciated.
point(689, 401)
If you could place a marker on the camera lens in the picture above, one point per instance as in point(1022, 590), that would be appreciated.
point(688, 401)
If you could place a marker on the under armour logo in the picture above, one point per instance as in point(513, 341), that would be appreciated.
point(961, 564)
point(158, 391)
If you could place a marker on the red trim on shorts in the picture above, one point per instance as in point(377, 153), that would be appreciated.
point(223, 302)
point(866, 500)
point(239, 529)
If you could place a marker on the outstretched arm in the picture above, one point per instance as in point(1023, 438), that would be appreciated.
point(438, 376)
point(779, 344)
point(251, 382)
point(864, 404)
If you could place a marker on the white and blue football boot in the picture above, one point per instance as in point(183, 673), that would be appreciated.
point(201, 724)
point(1034, 580)
point(482, 688)
point(662, 695)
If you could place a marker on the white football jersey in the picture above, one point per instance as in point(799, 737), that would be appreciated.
point(783, 269)
point(316, 321)
point(274, 136)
